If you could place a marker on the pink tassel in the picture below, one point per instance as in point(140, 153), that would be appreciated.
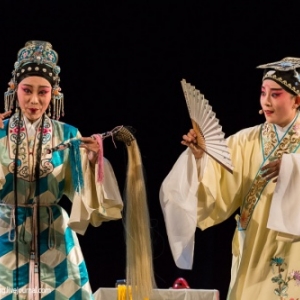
point(100, 173)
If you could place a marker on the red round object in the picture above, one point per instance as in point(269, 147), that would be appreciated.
point(180, 283)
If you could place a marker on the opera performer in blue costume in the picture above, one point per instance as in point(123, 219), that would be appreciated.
point(40, 257)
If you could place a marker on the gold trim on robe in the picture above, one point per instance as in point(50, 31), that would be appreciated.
point(273, 149)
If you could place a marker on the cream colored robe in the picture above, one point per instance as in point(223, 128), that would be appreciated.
point(188, 202)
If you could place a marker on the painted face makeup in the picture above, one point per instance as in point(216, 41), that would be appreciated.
point(278, 105)
point(34, 96)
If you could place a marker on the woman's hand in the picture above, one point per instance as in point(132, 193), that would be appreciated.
point(3, 116)
point(92, 148)
point(190, 140)
point(271, 170)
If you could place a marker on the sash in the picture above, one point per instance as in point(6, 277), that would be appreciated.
point(272, 149)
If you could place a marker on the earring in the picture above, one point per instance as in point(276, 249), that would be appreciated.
point(17, 107)
point(9, 96)
point(49, 110)
point(57, 103)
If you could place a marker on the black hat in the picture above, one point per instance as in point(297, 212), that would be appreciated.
point(285, 73)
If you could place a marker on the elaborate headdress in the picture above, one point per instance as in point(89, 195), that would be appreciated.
point(285, 72)
point(37, 58)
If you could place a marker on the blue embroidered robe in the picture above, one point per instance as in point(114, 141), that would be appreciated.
point(63, 273)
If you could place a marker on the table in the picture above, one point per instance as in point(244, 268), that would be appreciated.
point(164, 294)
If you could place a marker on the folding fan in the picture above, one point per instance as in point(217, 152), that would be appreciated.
point(210, 137)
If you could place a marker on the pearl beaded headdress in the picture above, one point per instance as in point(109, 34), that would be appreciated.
point(37, 58)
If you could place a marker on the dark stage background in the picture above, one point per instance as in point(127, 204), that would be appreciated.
point(122, 63)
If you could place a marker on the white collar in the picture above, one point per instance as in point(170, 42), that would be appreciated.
point(31, 126)
point(282, 130)
point(285, 128)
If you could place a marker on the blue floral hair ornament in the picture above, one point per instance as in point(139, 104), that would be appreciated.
point(76, 167)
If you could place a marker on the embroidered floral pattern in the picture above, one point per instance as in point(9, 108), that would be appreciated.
point(296, 128)
point(272, 150)
point(283, 283)
point(25, 165)
point(269, 139)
